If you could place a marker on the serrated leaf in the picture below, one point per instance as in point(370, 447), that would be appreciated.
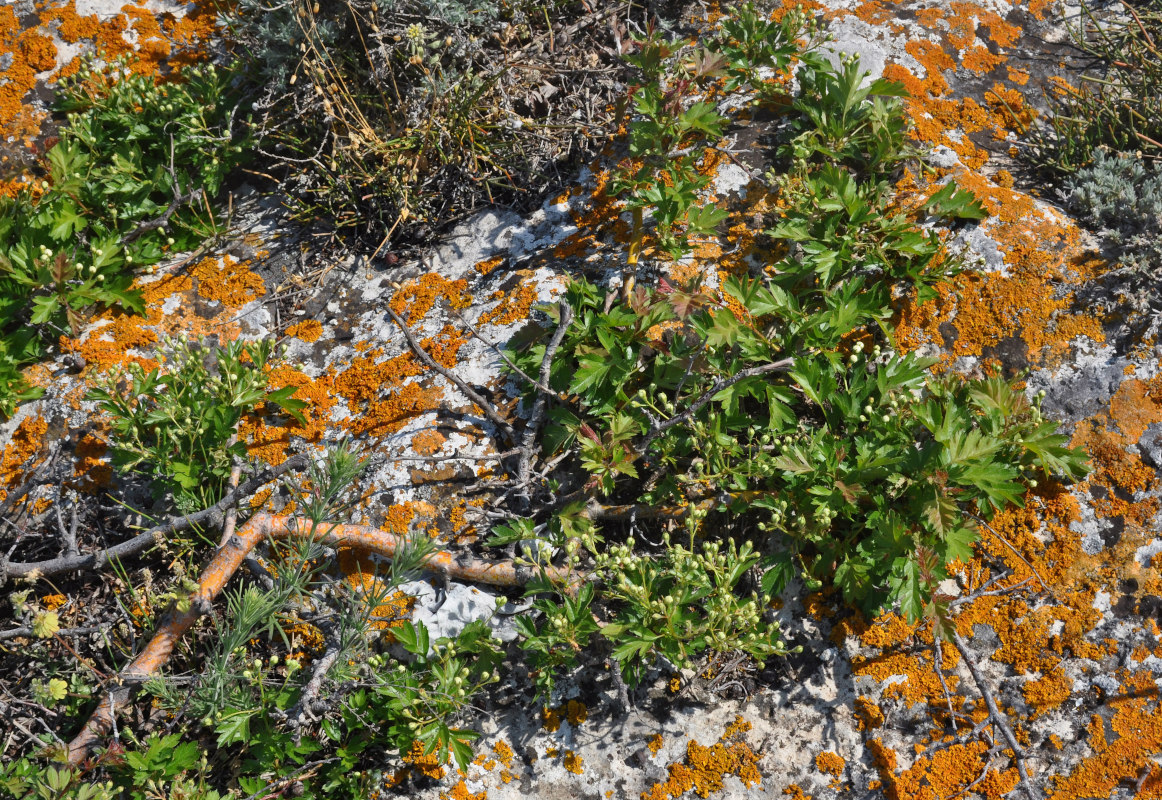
point(955, 203)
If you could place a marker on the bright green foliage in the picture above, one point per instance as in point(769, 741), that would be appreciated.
point(844, 122)
point(846, 240)
point(664, 142)
point(554, 642)
point(669, 134)
point(750, 42)
point(420, 704)
point(682, 605)
point(30, 779)
point(755, 406)
point(124, 188)
point(858, 464)
point(176, 424)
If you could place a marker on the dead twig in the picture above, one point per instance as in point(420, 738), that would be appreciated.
point(178, 201)
point(232, 482)
point(144, 540)
point(1014, 551)
point(469, 392)
point(540, 407)
point(69, 532)
point(981, 593)
point(18, 633)
point(998, 719)
point(544, 387)
point(303, 712)
point(938, 665)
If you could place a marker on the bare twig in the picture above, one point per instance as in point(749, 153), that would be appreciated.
point(540, 407)
point(19, 633)
point(981, 593)
point(620, 687)
point(142, 541)
point(69, 532)
point(544, 387)
point(302, 712)
point(163, 220)
point(997, 717)
point(595, 511)
point(782, 365)
point(1014, 551)
point(232, 482)
point(454, 456)
point(469, 392)
point(938, 665)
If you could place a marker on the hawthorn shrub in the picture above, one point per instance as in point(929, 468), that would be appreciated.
point(768, 427)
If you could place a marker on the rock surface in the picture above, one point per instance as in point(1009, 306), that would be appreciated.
point(1075, 661)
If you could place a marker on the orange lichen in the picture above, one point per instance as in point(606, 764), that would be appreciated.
point(1137, 725)
point(572, 762)
point(108, 345)
point(28, 51)
point(948, 772)
point(1136, 406)
point(513, 306)
point(52, 602)
point(704, 768)
point(460, 792)
point(1047, 692)
point(975, 313)
point(489, 264)
point(654, 744)
point(157, 40)
point(868, 714)
point(576, 713)
point(269, 441)
point(308, 330)
point(417, 297)
point(227, 281)
point(428, 442)
point(93, 471)
point(22, 449)
point(830, 763)
point(503, 752)
point(1121, 474)
point(426, 764)
point(979, 59)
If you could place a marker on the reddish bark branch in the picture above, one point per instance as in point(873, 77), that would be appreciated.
point(226, 562)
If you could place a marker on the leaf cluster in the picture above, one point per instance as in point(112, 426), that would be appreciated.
point(776, 405)
point(117, 195)
point(178, 424)
point(670, 131)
